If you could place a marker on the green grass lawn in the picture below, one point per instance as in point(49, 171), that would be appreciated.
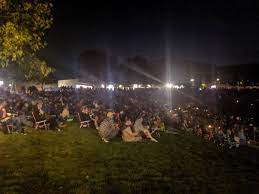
point(76, 161)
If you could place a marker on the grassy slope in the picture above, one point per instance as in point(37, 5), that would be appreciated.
point(76, 161)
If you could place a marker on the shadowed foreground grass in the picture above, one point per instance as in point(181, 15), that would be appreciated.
point(76, 161)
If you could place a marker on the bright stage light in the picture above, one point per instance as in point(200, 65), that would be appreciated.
point(218, 79)
point(102, 86)
point(84, 86)
point(1, 83)
point(168, 85)
point(135, 86)
point(120, 86)
point(110, 87)
point(149, 86)
point(213, 87)
point(192, 80)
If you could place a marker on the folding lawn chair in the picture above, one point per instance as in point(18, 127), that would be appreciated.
point(83, 123)
point(40, 124)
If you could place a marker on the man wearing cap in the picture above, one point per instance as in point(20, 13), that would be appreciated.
point(108, 129)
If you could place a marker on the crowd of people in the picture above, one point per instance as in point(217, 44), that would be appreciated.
point(231, 131)
point(117, 113)
point(133, 115)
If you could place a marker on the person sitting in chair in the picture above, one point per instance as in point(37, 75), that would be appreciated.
point(3, 116)
point(85, 115)
point(38, 111)
point(3, 112)
point(7, 120)
point(40, 115)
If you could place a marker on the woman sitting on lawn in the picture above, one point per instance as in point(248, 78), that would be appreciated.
point(65, 113)
point(158, 124)
point(128, 135)
point(142, 130)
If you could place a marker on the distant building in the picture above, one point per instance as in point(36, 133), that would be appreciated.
point(68, 83)
point(75, 83)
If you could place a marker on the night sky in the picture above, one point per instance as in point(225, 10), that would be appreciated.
point(213, 32)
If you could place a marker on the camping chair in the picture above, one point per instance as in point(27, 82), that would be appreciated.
point(9, 127)
point(83, 123)
point(40, 124)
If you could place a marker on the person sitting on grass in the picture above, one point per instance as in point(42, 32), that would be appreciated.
point(108, 129)
point(143, 130)
point(95, 119)
point(219, 136)
point(158, 124)
point(242, 136)
point(64, 116)
point(199, 131)
point(128, 135)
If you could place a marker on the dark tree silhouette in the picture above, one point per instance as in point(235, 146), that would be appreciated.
point(93, 61)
